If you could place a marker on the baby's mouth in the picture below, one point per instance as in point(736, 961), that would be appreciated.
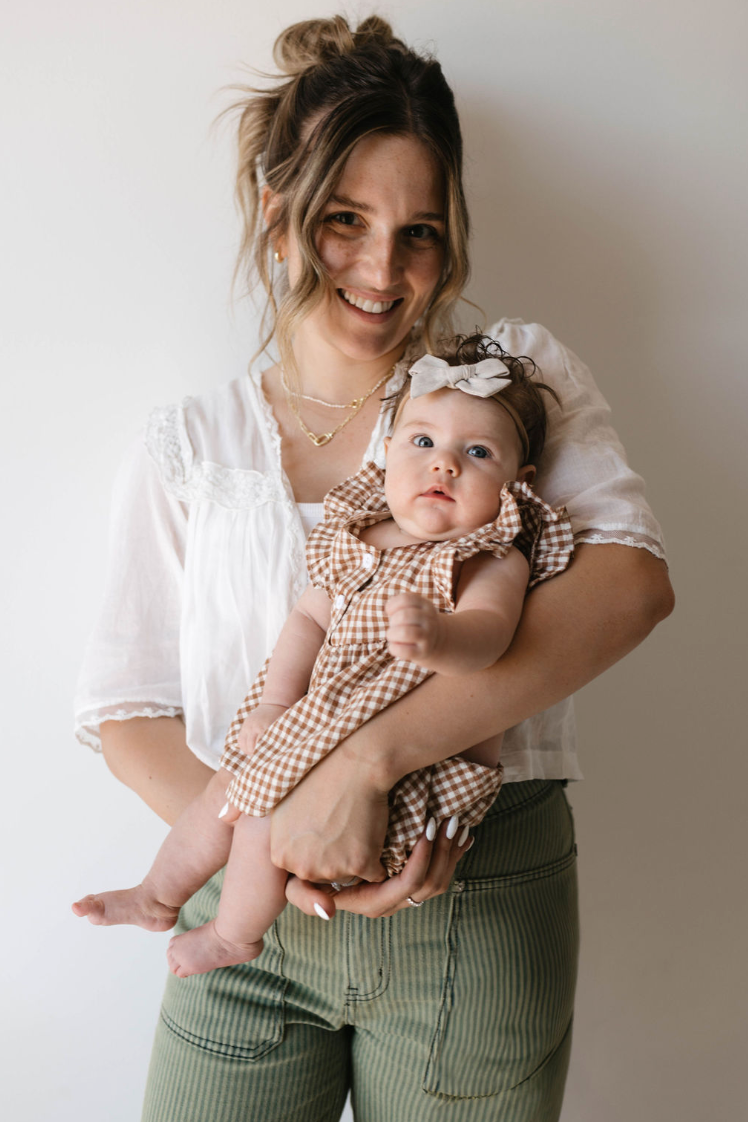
point(373, 307)
point(437, 493)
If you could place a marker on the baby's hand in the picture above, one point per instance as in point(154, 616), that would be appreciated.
point(255, 725)
point(415, 628)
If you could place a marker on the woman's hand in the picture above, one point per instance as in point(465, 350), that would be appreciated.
point(331, 827)
point(427, 873)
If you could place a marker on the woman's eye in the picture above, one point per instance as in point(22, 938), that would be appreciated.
point(423, 442)
point(479, 452)
point(343, 218)
point(422, 233)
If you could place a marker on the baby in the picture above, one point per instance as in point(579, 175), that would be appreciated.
point(420, 569)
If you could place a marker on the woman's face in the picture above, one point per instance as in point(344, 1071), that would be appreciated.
point(381, 240)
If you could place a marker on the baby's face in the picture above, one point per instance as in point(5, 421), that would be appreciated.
point(447, 460)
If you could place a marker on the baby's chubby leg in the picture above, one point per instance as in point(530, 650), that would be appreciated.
point(252, 897)
point(195, 848)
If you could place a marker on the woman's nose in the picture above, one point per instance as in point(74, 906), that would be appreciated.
point(382, 263)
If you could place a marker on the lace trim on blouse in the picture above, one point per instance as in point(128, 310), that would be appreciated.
point(169, 445)
point(619, 537)
point(87, 727)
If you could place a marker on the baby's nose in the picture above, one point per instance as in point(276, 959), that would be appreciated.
point(445, 462)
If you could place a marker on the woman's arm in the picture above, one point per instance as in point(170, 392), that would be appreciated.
point(573, 628)
point(150, 756)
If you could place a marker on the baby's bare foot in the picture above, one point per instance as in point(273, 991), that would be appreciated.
point(204, 949)
point(128, 905)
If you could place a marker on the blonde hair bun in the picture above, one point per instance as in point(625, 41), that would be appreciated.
point(313, 41)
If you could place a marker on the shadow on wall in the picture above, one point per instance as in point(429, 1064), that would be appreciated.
point(554, 238)
point(603, 239)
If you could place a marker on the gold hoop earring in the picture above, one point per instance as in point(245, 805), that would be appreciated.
point(278, 257)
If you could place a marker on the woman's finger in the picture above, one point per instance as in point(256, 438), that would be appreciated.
point(436, 878)
point(391, 895)
point(427, 873)
point(447, 852)
point(229, 813)
point(312, 899)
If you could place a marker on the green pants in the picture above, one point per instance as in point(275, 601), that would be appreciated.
point(459, 1010)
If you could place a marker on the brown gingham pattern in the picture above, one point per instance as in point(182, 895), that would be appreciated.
point(355, 677)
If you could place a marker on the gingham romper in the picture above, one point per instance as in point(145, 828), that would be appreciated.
point(355, 676)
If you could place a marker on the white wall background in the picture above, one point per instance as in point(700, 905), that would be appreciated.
point(607, 174)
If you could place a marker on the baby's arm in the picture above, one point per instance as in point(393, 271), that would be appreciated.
point(488, 605)
point(290, 667)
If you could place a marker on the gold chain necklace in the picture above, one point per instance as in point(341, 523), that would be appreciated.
point(317, 400)
point(320, 439)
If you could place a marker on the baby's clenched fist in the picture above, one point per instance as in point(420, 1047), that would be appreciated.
point(415, 629)
point(255, 725)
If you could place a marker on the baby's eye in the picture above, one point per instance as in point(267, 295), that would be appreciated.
point(423, 442)
point(479, 452)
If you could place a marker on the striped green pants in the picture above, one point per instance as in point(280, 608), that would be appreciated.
point(460, 1010)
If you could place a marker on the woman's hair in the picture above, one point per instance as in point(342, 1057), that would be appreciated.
point(336, 86)
point(523, 399)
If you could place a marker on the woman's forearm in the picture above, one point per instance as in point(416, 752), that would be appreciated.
point(150, 755)
point(572, 629)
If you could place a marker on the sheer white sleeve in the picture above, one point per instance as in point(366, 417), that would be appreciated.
point(131, 666)
point(584, 465)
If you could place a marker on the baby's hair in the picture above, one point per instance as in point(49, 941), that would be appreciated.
point(523, 400)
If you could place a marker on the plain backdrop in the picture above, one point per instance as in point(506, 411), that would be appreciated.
point(607, 180)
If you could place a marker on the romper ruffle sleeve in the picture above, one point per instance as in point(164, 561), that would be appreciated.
point(355, 676)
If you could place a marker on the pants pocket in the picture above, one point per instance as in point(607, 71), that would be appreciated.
point(507, 992)
point(237, 1011)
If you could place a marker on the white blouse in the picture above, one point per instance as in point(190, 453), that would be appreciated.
point(207, 554)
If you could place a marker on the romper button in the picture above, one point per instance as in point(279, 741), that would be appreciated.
point(367, 561)
point(458, 886)
point(339, 601)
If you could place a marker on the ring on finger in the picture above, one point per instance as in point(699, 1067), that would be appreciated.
point(415, 903)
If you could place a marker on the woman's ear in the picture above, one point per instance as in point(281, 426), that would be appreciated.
point(526, 474)
point(270, 202)
point(271, 205)
point(387, 440)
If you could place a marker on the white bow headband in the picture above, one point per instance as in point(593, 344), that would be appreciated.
point(486, 378)
point(482, 379)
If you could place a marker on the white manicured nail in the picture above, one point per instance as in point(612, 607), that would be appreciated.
point(452, 825)
point(223, 811)
point(431, 829)
point(463, 835)
point(321, 911)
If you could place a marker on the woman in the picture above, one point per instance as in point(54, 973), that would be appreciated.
point(350, 182)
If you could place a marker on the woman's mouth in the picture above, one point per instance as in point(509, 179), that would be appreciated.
point(370, 307)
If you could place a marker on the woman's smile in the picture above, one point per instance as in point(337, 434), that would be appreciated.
point(370, 305)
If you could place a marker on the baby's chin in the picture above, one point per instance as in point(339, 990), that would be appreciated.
point(431, 529)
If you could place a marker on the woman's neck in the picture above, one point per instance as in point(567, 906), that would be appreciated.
point(324, 372)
